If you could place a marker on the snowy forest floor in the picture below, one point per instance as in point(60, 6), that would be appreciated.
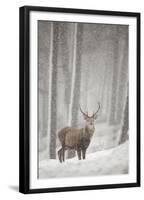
point(106, 162)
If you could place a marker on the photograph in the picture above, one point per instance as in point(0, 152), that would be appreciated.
point(83, 99)
point(79, 99)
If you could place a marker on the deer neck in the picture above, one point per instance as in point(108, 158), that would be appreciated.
point(89, 131)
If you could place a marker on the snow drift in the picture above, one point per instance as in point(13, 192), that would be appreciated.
point(108, 162)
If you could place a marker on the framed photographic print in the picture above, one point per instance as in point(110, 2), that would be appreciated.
point(79, 99)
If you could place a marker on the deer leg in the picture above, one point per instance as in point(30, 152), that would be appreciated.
point(60, 155)
point(63, 153)
point(84, 153)
point(79, 153)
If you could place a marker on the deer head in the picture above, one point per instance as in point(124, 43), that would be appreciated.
point(90, 120)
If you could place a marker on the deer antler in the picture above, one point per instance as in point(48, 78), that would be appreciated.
point(86, 115)
point(97, 110)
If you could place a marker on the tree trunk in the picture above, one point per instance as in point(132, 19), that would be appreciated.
point(53, 110)
point(103, 92)
point(76, 80)
point(114, 80)
point(123, 76)
point(125, 127)
point(43, 71)
point(65, 57)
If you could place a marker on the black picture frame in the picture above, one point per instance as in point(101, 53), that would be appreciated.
point(24, 122)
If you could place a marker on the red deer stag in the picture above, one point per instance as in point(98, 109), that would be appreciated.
point(77, 139)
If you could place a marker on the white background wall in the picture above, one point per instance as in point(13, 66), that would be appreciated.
point(9, 85)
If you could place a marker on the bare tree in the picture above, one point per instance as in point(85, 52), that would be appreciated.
point(114, 77)
point(54, 71)
point(123, 74)
point(64, 36)
point(108, 76)
point(76, 79)
point(104, 89)
point(124, 132)
point(43, 59)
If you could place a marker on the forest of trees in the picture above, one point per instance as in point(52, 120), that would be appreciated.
point(82, 64)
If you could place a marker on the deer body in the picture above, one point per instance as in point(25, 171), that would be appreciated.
point(77, 139)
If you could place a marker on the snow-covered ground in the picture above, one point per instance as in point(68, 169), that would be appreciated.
point(106, 162)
